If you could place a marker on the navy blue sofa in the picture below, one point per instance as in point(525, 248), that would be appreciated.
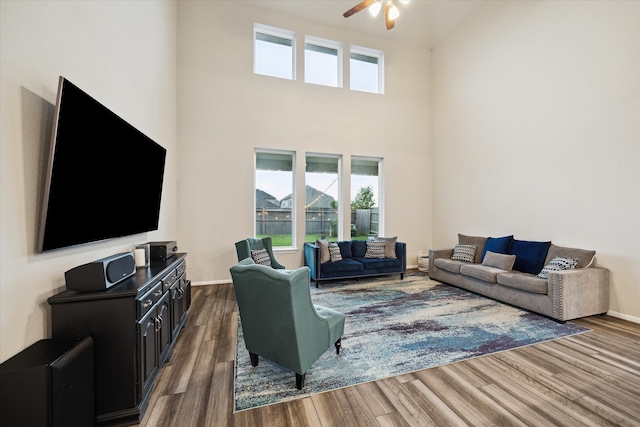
point(353, 263)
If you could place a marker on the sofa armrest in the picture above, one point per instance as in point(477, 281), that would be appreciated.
point(439, 253)
point(580, 292)
point(312, 259)
point(401, 254)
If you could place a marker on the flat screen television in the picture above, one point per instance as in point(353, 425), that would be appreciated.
point(103, 178)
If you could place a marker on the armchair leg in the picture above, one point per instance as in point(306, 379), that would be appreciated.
point(254, 359)
point(338, 344)
point(300, 381)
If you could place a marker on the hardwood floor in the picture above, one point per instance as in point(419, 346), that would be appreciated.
point(591, 379)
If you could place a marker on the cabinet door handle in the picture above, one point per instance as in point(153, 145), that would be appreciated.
point(147, 303)
point(158, 292)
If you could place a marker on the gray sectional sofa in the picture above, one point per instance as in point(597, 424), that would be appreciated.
point(511, 271)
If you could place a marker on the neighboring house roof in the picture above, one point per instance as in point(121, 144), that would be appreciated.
point(266, 200)
point(313, 199)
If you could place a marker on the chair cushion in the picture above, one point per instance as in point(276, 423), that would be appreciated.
point(530, 256)
point(478, 241)
point(558, 264)
point(358, 248)
point(482, 272)
point(524, 282)
point(501, 261)
point(448, 265)
point(464, 253)
point(375, 249)
point(261, 256)
point(334, 252)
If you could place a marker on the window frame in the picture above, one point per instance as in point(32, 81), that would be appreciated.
point(339, 172)
point(380, 178)
point(291, 153)
point(326, 44)
point(275, 32)
point(371, 53)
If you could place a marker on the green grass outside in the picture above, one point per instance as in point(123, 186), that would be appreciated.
point(285, 239)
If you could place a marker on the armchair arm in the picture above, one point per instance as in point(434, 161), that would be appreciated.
point(579, 292)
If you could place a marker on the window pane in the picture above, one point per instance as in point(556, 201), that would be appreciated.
point(274, 197)
point(366, 71)
point(321, 197)
point(365, 196)
point(322, 63)
point(273, 53)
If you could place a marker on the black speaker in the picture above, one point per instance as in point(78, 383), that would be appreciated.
point(101, 274)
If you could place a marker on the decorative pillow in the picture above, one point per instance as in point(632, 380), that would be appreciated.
point(474, 240)
point(375, 249)
point(324, 251)
point(345, 249)
point(530, 256)
point(498, 245)
point(389, 247)
point(501, 261)
point(261, 256)
point(334, 252)
point(464, 253)
point(558, 264)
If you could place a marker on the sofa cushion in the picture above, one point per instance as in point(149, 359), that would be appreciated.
point(345, 249)
point(334, 252)
point(557, 264)
point(530, 256)
point(375, 249)
point(448, 265)
point(358, 248)
point(346, 265)
point(478, 241)
point(261, 256)
point(374, 263)
point(482, 272)
point(499, 245)
point(585, 257)
point(523, 282)
point(501, 261)
point(324, 251)
point(464, 253)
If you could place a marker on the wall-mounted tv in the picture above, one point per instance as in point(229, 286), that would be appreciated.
point(103, 178)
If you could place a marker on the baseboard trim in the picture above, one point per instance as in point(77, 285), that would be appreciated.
point(212, 282)
point(623, 316)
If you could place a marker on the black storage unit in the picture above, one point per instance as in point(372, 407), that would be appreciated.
point(51, 383)
point(134, 325)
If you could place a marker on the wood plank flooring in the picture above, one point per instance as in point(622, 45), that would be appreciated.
point(591, 379)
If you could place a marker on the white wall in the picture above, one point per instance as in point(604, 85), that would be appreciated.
point(226, 111)
point(536, 131)
point(124, 55)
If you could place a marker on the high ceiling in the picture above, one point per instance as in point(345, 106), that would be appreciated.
point(421, 22)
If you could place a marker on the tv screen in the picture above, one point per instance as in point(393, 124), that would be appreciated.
point(103, 178)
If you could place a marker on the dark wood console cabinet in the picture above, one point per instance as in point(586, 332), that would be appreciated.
point(134, 326)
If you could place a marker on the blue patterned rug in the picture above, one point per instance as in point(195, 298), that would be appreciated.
point(394, 327)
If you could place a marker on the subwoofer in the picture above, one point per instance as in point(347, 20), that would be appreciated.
point(101, 274)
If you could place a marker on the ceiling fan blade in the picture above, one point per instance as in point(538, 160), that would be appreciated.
point(357, 8)
point(390, 22)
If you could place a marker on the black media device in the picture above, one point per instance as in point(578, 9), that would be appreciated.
point(163, 250)
point(101, 274)
point(103, 178)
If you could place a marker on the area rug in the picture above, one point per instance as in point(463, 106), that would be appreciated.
point(394, 327)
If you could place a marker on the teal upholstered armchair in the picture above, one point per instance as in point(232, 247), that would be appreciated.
point(244, 248)
point(279, 320)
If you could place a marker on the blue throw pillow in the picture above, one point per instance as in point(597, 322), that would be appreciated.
point(498, 245)
point(358, 248)
point(530, 256)
point(345, 249)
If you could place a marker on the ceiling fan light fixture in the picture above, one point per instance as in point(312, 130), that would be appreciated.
point(374, 9)
point(393, 12)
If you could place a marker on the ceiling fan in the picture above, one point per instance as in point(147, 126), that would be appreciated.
point(391, 11)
